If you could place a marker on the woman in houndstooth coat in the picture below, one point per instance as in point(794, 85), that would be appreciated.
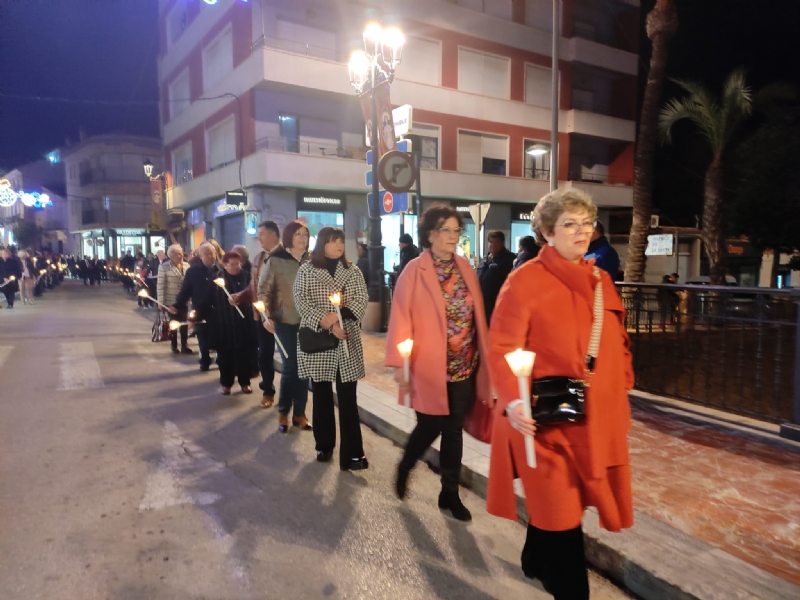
point(327, 273)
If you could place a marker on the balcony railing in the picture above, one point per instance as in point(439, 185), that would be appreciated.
point(576, 175)
point(297, 48)
point(537, 173)
point(281, 144)
point(724, 347)
point(115, 176)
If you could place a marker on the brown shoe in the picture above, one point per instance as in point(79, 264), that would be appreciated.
point(283, 423)
point(302, 423)
point(226, 391)
point(246, 389)
point(267, 401)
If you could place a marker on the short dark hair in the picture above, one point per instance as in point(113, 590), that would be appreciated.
point(598, 227)
point(287, 239)
point(497, 234)
point(433, 218)
point(231, 255)
point(271, 226)
point(325, 235)
point(528, 243)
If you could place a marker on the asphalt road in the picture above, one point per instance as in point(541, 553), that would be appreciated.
point(124, 474)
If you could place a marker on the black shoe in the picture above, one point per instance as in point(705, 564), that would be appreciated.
point(175, 350)
point(450, 501)
point(205, 368)
point(401, 483)
point(186, 350)
point(356, 464)
point(324, 455)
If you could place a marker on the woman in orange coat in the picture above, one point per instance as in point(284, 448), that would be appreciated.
point(546, 306)
point(438, 304)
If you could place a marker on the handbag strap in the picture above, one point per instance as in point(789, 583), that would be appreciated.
point(597, 323)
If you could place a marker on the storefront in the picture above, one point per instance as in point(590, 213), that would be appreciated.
point(318, 210)
point(468, 243)
point(197, 228)
point(229, 223)
point(520, 224)
point(392, 227)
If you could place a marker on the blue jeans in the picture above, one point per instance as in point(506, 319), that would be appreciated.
point(294, 391)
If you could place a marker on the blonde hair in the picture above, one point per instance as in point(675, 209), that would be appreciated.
point(175, 249)
point(556, 203)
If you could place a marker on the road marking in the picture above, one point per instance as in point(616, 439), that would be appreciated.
point(5, 352)
point(79, 367)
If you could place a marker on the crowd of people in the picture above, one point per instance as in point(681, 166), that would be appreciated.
point(29, 273)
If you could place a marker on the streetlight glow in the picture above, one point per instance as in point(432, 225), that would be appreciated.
point(392, 44)
point(148, 168)
point(537, 150)
point(373, 36)
point(358, 69)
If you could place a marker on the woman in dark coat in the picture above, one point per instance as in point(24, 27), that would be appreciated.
point(231, 334)
point(12, 266)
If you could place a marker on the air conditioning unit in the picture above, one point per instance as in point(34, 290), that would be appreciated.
point(653, 221)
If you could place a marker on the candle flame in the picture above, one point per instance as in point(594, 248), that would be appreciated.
point(404, 348)
point(192, 315)
point(12, 278)
point(173, 325)
point(335, 299)
point(142, 294)
point(521, 362)
point(220, 282)
point(259, 306)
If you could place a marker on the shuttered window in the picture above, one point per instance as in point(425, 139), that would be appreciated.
point(538, 86)
point(218, 59)
point(422, 61)
point(182, 164)
point(482, 153)
point(179, 93)
point(539, 14)
point(222, 144)
point(483, 74)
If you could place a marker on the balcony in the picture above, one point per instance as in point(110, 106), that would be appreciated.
point(100, 175)
point(311, 148)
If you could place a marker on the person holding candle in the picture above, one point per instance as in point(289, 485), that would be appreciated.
point(170, 280)
point(231, 333)
point(12, 268)
point(328, 273)
point(29, 277)
point(437, 303)
point(284, 321)
point(547, 306)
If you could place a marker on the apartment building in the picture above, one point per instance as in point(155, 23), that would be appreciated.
point(108, 196)
point(255, 95)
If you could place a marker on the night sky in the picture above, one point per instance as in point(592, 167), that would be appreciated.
point(87, 53)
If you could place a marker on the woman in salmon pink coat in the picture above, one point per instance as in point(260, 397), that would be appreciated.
point(437, 303)
point(546, 306)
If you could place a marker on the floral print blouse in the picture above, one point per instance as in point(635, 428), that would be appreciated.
point(462, 354)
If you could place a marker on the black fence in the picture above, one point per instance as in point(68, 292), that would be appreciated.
point(728, 348)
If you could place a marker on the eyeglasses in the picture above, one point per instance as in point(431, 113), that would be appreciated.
point(573, 226)
point(447, 231)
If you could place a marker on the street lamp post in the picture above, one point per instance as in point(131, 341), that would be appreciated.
point(367, 68)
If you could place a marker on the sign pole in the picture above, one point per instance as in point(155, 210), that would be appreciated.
point(375, 241)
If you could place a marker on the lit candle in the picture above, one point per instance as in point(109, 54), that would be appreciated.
point(10, 279)
point(521, 363)
point(259, 306)
point(144, 294)
point(220, 281)
point(404, 348)
point(336, 300)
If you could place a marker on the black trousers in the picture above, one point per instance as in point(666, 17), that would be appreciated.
point(184, 333)
point(266, 357)
point(202, 344)
point(234, 363)
point(460, 397)
point(10, 291)
point(557, 559)
point(325, 419)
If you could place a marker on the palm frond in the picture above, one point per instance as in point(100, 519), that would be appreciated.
point(701, 96)
point(737, 96)
point(688, 108)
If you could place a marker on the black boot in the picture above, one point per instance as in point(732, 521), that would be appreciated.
point(401, 483)
point(450, 501)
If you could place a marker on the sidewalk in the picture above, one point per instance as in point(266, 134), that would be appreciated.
point(717, 513)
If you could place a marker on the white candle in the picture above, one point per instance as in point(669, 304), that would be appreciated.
point(521, 363)
point(221, 283)
point(259, 306)
point(404, 348)
point(144, 294)
point(336, 300)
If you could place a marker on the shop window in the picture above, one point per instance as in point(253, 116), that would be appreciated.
point(317, 220)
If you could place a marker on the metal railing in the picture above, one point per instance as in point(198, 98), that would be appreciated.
point(532, 173)
point(576, 175)
point(297, 48)
point(282, 144)
point(724, 347)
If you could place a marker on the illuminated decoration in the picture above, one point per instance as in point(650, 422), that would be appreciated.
point(212, 2)
point(54, 157)
point(8, 197)
point(27, 198)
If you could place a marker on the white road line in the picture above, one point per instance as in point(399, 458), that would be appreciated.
point(79, 367)
point(5, 352)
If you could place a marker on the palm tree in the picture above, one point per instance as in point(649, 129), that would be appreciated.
point(662, 22)
point(718, 121)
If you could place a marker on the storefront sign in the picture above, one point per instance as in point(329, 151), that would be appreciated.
point(320, 202)
point(403, 120)
point(130, 232)
point(659, 245)
point(222, 208)
point(521, 213)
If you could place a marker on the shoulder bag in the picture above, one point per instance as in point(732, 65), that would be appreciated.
point(161, 330)
point(561, 399)
point(313, 342)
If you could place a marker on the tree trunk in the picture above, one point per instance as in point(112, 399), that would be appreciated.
point(662, 22)
point(713, 222)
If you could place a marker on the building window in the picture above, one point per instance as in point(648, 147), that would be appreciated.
point(538, 86)
point(426, 141)
point(221, 144)
point(179, 94)
point(182, 164)
point(177, 22)
point(218, 59)
point(301, 39)
point(537, 159)
point(482, 153)
point(483, 74)
point(539, 14)
point(496, 8)
point(422, 61)
point(289, 133)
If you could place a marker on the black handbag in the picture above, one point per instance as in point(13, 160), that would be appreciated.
point(561, 399)
point(313, 342)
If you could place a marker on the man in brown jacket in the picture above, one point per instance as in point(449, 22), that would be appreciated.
point(269, 236)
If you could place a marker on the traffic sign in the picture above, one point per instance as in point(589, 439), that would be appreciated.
point(391, 204)
point(402, 146)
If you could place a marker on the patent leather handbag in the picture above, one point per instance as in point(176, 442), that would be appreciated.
point(560, 399)
point(314, 342)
